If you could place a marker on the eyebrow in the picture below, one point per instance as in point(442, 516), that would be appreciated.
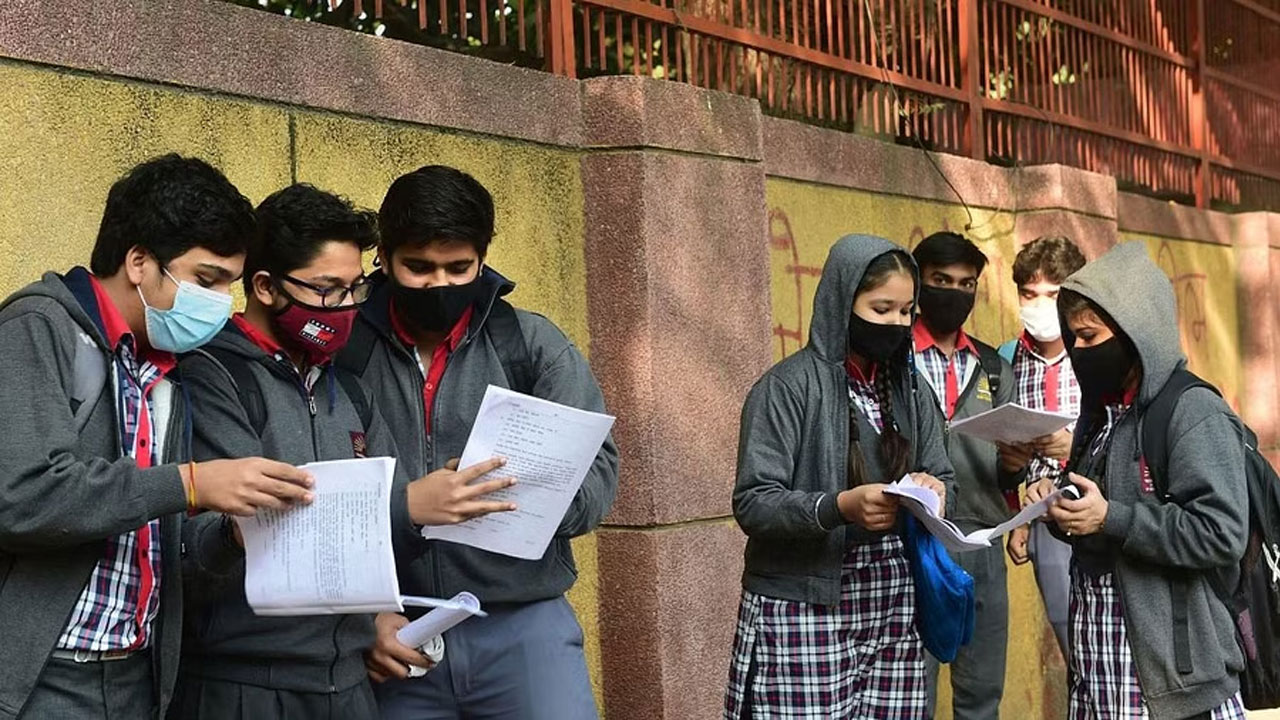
point(221, 272)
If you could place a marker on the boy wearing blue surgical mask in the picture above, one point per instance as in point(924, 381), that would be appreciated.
point(96, 471)
point(1044, 380)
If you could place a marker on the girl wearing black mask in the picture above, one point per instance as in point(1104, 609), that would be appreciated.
point(827, 620)
point(1148, 636)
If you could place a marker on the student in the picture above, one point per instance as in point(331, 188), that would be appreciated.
point(266, 386)
point(826, 626)
point(433, 336)
point(1149, 637)
point(90, 484)
point(1043, 380)
point(968, 377)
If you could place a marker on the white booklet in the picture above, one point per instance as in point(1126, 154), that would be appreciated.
point(549, 448)
point(923, 503)
point(1011, 423)
point(333, 556)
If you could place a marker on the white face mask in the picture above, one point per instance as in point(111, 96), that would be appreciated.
point(1040, 318)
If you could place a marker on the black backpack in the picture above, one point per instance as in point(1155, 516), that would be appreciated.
point(1254, 602)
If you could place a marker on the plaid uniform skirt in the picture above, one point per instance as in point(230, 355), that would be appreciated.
point(860, 659)
point(1102, 679)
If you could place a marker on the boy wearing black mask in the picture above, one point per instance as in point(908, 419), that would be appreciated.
point(968, 377)
point(433, 336)
point(266, 385)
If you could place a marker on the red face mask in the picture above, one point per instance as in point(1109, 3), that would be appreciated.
point(317, 333)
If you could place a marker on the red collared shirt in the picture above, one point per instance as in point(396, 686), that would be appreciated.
point(275, 350)
point(432, 373)
point(118, 605)
point(946, 375)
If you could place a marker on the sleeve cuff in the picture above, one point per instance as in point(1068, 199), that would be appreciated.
point(1119, 518)
point(828, 513)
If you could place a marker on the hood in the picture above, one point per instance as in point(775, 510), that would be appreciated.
point(73, 291)
point(841, 274)
point(1130, 288)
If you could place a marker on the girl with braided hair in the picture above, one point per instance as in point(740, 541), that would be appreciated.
point(826, 627)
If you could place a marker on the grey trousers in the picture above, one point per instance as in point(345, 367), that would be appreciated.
point(1051, 559)
point(523, 662)
point(977, 673)
point(207, 699)
point(112, 690)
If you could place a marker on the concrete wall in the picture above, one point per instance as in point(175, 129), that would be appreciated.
point(674, 234)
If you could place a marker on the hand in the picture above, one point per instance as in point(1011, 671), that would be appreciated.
point(389, 658)
point(1017, 546)
point(868, 506)
point(928, 481)
point(1056, 446)
point(447, 497)
point(1015, 456)
point(1084, 516)
point(243, 487)
point(1040, 490)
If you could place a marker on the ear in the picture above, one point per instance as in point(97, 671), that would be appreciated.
point(264, 290)
point(135, 264)
point(382, 261)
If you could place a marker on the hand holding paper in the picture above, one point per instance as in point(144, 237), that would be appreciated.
point(916, 500)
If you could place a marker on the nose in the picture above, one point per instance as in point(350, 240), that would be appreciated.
point(438, 278)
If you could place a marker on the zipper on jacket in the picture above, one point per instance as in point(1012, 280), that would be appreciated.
point(310, 397)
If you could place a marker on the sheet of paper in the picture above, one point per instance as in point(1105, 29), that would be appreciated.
point(923, 504)
point(1011, 423)
point(332, 556)
point(549, 448)
point(446, 614)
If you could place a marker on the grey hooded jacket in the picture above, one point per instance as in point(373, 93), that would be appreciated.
point(1163, 552)
point(66, 486)
point(793, 445)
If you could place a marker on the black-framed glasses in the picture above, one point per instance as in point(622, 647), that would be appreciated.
point(335, 297)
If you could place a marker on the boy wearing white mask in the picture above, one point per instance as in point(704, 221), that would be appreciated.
point(1043, 380)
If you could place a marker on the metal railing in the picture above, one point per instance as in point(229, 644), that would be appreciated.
point(1175, 98)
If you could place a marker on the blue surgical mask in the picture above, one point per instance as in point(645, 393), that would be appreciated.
point(196, 316)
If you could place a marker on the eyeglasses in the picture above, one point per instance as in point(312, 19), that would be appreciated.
point(335, 297)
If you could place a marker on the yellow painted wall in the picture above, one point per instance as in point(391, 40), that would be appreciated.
point(66, 137)
point(804, 221)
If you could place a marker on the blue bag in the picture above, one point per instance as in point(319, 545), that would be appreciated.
point(944, 594)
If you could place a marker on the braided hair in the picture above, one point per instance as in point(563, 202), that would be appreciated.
point(895, 450)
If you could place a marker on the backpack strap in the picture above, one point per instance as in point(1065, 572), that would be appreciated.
point(89, 375)
point(1008, 350)
point(247, 387)
point(503, 327)
point(990, 360)
point(352, 386)
point(354, 356)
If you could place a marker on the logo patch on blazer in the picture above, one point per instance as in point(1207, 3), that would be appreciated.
point(1148, 484)
point(359, 446)
point(984, 387)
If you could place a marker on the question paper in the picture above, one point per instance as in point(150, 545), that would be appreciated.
point(332, 556)
point(549, 448)
point(1011, 423)
point(923, 503)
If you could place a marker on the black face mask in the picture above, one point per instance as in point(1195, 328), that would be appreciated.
point(874, 341)
point(434, 309)
point(945, 309)
point(1103, 368)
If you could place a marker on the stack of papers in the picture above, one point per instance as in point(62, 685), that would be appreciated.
point(1011, 423)
point(923, 503)
point(549, 449)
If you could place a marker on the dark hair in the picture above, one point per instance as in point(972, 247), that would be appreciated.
point(294, 223)
point(947, 248)
point(895, 451)
point(1072, 304)
point(1053, 258)
point(436, 203)
point(169, 205)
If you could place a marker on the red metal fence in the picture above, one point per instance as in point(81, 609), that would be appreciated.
point(1174, 98)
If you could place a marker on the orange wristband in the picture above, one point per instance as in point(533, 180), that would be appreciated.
point(192, 499)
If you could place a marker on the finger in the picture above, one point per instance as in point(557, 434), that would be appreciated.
point(486, 487)
point(263, 501)
point(287, 473)
point(452, 464)
point(402, 653)
point(376, 676)
point(478, 508)
point(481, 468)
point(1085, 484)
point(286, 491)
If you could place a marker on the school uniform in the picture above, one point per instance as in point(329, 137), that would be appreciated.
point(90, 591)
point(826, 626)
point(235, 664)
point(1149, 636)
